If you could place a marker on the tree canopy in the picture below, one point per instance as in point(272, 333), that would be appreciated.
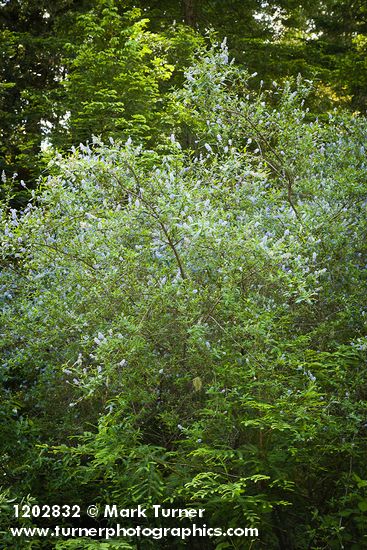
point(72, 69)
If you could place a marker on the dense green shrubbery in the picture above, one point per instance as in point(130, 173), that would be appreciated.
point(185, 325)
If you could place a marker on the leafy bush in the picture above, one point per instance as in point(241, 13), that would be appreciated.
point(185, 325)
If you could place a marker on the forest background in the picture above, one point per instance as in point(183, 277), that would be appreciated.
point(183, 264)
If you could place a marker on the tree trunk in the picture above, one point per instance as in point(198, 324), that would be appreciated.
point(189, 12)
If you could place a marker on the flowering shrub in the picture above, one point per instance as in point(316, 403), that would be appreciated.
point(193, 319)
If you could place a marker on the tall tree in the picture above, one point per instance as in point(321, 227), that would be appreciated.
point(30, 71)
point(70, 68)
point(114, 69)
point(189, 12)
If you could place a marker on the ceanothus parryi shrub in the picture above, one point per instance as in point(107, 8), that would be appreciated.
point(194, 316)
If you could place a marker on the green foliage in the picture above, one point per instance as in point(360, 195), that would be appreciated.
point(25, 87)
point(115, 67)
point(70, 70)
point(279, 39)
point(184, 325)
